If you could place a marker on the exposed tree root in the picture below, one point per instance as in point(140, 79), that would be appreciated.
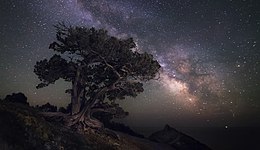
point(80, 123)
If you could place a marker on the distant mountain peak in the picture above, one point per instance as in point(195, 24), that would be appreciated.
point(176, 139)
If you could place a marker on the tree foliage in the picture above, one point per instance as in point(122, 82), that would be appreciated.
point(16, 98)
point(99, 66)
point(47, 108)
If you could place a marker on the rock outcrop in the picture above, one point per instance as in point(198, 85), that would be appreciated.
point(176, 139)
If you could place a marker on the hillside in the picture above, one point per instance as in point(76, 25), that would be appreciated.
point(23, 128)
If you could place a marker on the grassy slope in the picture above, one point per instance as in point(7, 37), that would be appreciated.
point(22, 128)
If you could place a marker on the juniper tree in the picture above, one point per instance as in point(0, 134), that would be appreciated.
point(101, 69)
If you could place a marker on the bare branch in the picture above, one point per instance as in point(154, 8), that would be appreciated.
point(107, 64)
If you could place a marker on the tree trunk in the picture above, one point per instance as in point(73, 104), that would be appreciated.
point(84, 119)
point(92, 122)
point(76, 93)
point(75, 99)
point(75, 108)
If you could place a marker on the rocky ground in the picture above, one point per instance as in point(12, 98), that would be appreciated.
point(23, 128)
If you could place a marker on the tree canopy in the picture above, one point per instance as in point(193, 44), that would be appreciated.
point(99, 66)
point(16, 98)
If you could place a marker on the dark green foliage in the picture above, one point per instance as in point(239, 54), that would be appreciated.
point(47, 108)
point(63, 110)
point(99, 66)
point(52, 70)
point(106, 118)
point(92, 50)
point(16, 98)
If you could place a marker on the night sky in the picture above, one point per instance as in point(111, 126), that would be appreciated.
point(208, 50)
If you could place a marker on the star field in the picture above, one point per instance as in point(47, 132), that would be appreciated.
point(208, 50)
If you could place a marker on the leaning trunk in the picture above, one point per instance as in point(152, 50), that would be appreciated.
point(75, 108)
point(92, 122)
point(87, 111)
point(83, 119)
point(75, 99)
point(76, 93)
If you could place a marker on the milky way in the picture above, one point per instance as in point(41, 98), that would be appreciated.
point(208, 50)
